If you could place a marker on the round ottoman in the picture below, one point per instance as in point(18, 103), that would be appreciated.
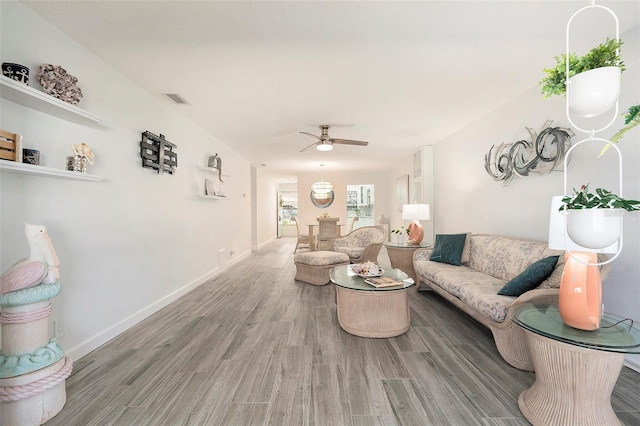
point(313, 267)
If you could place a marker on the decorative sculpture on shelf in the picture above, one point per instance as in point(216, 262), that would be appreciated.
point(41, 267)
point(542, 155)
point(84, 150)
point(55, 81)
point(215, 162)
point(82, 155)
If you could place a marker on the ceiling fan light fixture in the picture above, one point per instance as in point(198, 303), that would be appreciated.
point(324, 147)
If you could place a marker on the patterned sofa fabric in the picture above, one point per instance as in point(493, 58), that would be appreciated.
point(503, 257)
point(494, 260)
point(483, 297)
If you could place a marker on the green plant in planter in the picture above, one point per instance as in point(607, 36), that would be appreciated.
point(602, 199)
point(631, 120)
point(604, 55)
point(400, 231)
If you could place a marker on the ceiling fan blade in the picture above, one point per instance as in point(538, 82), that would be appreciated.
point(315, 143)
point(310, 134)
point(349, 142)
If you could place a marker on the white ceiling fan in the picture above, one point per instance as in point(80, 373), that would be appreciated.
point(325, 143)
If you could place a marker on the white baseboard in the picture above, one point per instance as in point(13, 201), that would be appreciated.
point(269, 241)
point(103, 337)
point(238, 258)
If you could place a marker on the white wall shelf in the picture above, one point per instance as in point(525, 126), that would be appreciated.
point(213, 197)
point(40, 101)
point(30, 169)
point(211, 170)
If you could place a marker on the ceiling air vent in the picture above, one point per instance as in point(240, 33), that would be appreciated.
point(175, 98)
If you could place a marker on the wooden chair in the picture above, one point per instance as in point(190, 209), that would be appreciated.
point(10, 146)
point(327, 232)
point(303, 239)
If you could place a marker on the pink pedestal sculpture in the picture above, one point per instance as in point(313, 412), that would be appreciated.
point(33, 367)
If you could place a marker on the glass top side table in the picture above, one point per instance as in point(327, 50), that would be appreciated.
point(616, 334)
point(407, 245)
point(401, 257)
point(576, 370)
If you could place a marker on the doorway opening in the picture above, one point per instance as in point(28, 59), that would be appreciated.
point(360, 203)
point(287, 208)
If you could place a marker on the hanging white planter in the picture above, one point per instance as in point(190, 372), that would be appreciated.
point(594, 92)
point(594, 228)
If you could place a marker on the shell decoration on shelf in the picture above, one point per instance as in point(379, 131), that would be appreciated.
point(58, 83)
point(84, 150)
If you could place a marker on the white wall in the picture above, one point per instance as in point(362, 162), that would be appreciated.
point(266, 197)
point(467, 199)
point(134, 242)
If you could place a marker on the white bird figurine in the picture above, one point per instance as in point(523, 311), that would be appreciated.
point(41, 266)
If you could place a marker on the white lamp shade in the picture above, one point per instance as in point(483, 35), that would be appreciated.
point(416, 212)
point(324, 147)
point(559, 238)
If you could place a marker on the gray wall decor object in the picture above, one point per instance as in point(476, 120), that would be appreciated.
point(544, 153)
point(158, 153)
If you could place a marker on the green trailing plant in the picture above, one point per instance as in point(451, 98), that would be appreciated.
point(604, 55)
point(602, 199)
point(631, 120)
point(400, 231)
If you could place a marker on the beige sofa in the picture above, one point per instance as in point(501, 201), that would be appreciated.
point(473, 286)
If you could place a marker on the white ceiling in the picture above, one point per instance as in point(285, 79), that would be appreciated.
point(397, 74)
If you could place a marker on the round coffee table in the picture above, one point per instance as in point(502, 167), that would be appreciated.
point(367, 311)
point(576, 370)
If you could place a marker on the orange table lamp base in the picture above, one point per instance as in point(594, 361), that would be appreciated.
point(580, 303)
point(416, 232)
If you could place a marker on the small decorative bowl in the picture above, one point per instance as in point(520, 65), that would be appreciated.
point(16, 72)
point(31, 156)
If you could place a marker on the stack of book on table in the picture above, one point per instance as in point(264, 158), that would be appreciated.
point(379, 282)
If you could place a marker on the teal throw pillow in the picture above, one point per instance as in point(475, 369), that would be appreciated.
point(448, 248)
point(530, 278)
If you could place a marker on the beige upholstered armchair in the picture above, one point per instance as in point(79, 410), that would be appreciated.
point(361, 245)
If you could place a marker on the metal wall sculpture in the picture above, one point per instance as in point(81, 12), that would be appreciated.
point(542, 155)
point(158, 153)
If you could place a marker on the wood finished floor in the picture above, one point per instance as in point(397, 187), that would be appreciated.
point(255, 347)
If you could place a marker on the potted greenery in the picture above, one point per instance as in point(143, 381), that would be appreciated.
point(594, 79)
point(400, 234)
point(631, 120)
point(594, 220)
